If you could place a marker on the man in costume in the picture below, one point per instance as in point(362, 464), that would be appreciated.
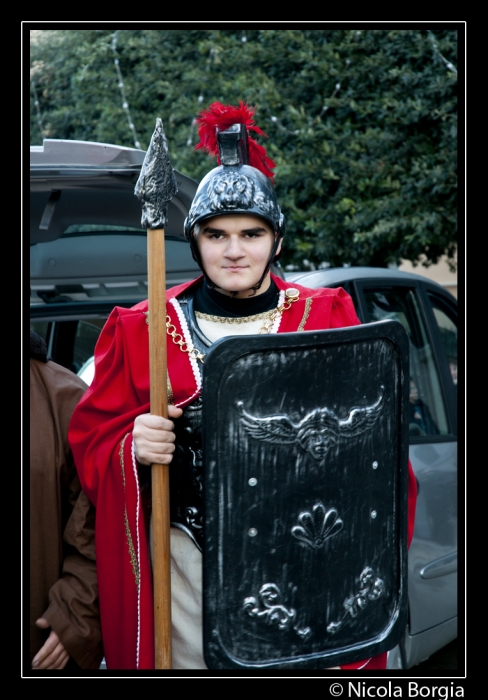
point(64, 627)
point(235, 229)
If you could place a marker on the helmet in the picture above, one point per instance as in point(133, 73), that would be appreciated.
point(242, 183)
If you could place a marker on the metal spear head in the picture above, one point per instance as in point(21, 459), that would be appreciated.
point(156, 185)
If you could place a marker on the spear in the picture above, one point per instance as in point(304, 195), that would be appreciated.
point(155, 188)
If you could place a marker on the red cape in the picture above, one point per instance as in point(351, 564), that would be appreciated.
point(101, 440)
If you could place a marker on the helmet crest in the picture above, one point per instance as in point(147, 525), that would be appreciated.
point(218, 118)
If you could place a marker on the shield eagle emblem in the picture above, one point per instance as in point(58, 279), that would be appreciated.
point(305, 497)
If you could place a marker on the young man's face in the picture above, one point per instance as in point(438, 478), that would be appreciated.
point(235, 249)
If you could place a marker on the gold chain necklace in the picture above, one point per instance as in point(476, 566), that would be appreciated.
point(233, 319)
point(291, 295)
point(179, 340)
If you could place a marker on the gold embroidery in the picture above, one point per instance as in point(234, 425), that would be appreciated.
point(121, 456)
point(169, 389)
point(130, 544)
point(308, 305)
point(233, 319)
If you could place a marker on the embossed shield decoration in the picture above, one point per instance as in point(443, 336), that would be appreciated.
point(305, 497)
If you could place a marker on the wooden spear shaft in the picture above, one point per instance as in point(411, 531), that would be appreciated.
point(159, 472)
point(155, 188)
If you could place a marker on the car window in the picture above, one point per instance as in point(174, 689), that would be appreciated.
point(87, 372)
point(42, 329)
point(449, 336)
point(86, 338)
point(70, 343)
point(427, 412)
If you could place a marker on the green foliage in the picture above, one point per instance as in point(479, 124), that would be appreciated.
point(362, 123)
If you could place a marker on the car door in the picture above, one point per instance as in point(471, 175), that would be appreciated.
point(430, 317)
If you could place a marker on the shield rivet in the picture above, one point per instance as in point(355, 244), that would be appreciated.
point(374, 514)
point(252, 481)
point(252, 532)
point(375, 465)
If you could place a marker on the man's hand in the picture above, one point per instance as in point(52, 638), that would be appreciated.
point(52, 655)
point(154, 439)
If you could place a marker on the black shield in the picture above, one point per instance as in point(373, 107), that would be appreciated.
point(305, 497)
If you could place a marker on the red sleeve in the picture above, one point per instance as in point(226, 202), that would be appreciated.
point(100, 435)
point(119, 392)
point(372, 664)
point(412, 501)
point(344, 313)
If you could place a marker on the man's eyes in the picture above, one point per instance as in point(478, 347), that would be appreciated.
point(213, 236)
point(247, 234)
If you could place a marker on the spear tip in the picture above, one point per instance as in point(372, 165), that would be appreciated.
point(156, 185)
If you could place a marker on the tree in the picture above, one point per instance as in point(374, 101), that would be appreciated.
point(362, 123)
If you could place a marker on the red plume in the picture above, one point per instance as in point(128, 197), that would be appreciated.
point(223, 117)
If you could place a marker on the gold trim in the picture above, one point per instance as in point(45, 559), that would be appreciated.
point(308, 306)
point(169, 389)
point(130, 544)
point(234, 319)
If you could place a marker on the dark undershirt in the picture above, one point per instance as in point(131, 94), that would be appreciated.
point(209, 301)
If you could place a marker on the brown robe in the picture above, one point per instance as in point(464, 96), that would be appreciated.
point(63, 579)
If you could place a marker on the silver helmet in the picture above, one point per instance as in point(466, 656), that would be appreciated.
point(236, 186)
